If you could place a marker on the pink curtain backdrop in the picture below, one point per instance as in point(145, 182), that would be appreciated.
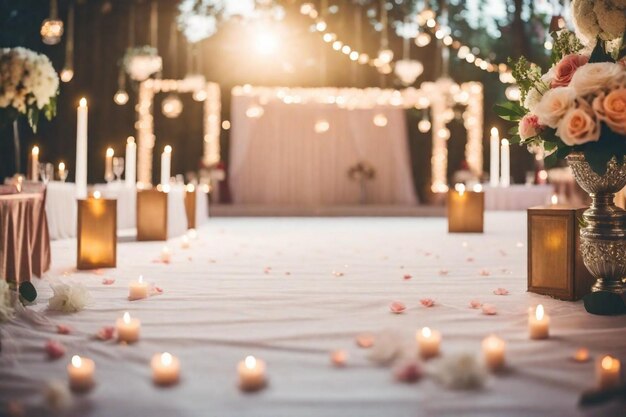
point(279, 159)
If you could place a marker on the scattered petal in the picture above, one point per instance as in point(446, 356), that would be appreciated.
point(475, 304)
point(428, 253)
point(106, 333)
point(503, 252)
point(98, 272)
point(287, 273)
point(407, 276)
point(469, 259)
point(489, 309)
point(501, 291)
point(408, 371)
point(365, 340)
point(337, 273)
point(401, 266)
point(581, 355)
point(63, 329)
point(108, 281)
point(189, 258)
point(15, 409)
point(54, 349)
point(397, 307)
point(339, 358)
point(427, 302)
point(484, 273)
point(155, 290)
point(443, 272)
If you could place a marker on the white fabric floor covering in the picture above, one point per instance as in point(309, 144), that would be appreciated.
point(219, 305)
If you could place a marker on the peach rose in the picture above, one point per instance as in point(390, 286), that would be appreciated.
point(529, 126)
point(611, 109)
point(579, 126)
point(554, 104)
point(565, 69)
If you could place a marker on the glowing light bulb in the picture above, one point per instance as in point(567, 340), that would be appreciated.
point(66, 75)
point(424, 125)
point(121, 97)
point(226, 125)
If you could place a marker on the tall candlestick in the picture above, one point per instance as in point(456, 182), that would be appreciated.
point(251, 374)
point(131, 162)
point(505, 156)
point(81, 149)
point(166, 162)
point(108, 165)
point(608, 373)
point(80, 372)
point(538, 323)
point(428, 342)
point(165, 369)
point(493, 351)
point(128, 329)
point(34, 164)
point(494, 167)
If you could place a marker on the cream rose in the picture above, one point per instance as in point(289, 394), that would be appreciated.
point(554, 104)
point(579, 126)
point(532, 99)
point(611, 109)
point(592, 78)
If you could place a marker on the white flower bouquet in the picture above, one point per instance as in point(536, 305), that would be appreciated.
point(579, 104)
point(29, 86)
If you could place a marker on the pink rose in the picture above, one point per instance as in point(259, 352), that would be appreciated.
point(611, 109)
point(565, 69)
point(579, 126)
point(529, 126)
point(397, 307)
point(427, 302)
point(54, 349)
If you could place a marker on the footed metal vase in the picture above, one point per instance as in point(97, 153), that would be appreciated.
point(603, 236)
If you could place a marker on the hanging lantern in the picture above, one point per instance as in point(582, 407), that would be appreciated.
point(408, 70)
point(172, 106)
point(121, 97)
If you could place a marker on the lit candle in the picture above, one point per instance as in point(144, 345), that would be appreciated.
point(34, 164)
point(494, 167)
point(81, 372)
point(165, 369)
point(166, 255)
point(138, 289)
point(554, 199)
point(608, 373)
point(538, 323)
point(62, 171)
point(505, 156)
point(128, 329)
point(493, 352)
point(108, 165)
point(81, 149)
point(251, 374)
point(166, 163)
point(184, 242)
point(131, 162)
point(459, 188)
point(428, 342)
point(97, 195)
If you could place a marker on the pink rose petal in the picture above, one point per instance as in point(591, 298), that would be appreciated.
point(98, 272)
point(397, 307)
point(428, 253)
point(475, 304)
point(501, 291)
point(503, 252)
point(339, 358)
point(407, 277)
point(469, 259)
point(338, 274)
point(427, 302)
point(484, 273)
point(63, 329)
point(106, 333)
point(443, 272)
point(54, 349)
point(489, 310)
point(108, 281)
point(365, 340)
point(409, 371)
point(155, 290)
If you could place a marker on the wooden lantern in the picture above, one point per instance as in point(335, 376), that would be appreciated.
point(97, 233)
point(466, 210)
point(190, 206)
point(152, 214)
point(555, 265)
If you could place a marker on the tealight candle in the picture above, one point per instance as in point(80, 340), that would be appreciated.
point(166, 255)
point(184, 242)
point(80, 372)
point(493, 351)
point(165, 369)
point(128, 329)
point(538, 323)
point(138, 289)
point(251, 374)
point(608, 373)
point(428, 342)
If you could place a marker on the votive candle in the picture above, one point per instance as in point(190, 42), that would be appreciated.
point(165, 369)
point(608, 373)
point(428, 342)
point(138, 289)
point(251, 374)
point(128, 329)
point(538, 323)
point(493, 352)
point(80, 372)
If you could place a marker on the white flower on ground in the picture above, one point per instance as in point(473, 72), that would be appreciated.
point(68, 298)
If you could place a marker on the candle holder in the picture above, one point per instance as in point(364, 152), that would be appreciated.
point(151, 214)
point(555, 264)
point(190, 206)
point(97, 233)
point(466, 210)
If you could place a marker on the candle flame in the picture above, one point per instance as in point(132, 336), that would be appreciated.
point(35, 150)
point(607, 362)
point(127, 317)
point(493, 341)
point(504, 142)
point(250, 362)
point(478, 188)
point(426, 332)
point(167, 149)
point(130, 140)
point(190, 188)
point(460, 188)
point(83, 102)
point(61, 166)
point(97, 195)
point(110, 152)
point(539, 312)
point(494, 131)
point(166, 359)
point(140, 278)
point(554, 199)
point(76, 361)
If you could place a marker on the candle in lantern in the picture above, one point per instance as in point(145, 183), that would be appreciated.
point(493, 351)
point(34, 164)
point(131, 161)
point(608, 373)
point(428, 342)
point(251, 374)
point(494, 167)
point(165, 369)
point(128, 329)
point(505, 179)
point(108, 165)
point(81, 372)
point(538, 323)
point(166, 163)
point(166, 254)
point(138, 289)
point(81, 149)
point(554, 200)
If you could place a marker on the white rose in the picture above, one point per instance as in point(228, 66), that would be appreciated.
point(532, 99)
point(554, 104)
point(579, 126)
point(592, 78)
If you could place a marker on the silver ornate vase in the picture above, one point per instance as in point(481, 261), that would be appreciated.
point(603, 236)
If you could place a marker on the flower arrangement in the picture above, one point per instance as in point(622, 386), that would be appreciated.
point(141, 62)
point(29, 86)
point(579, 104)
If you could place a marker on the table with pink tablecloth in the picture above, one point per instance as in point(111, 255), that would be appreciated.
point(517, 196)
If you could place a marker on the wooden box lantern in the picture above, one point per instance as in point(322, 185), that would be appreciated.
point(190, 205)
point(152, 214)
point(555, 265)
point(97, 233)
point(466, 209)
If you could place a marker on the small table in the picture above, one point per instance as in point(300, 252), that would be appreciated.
point(517, 196)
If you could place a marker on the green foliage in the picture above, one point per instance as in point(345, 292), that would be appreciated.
point(527, 76)
point(565, 43)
